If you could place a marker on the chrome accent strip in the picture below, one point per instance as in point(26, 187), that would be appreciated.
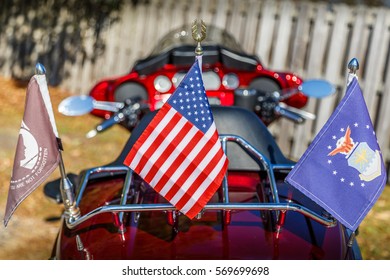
point(211, 206)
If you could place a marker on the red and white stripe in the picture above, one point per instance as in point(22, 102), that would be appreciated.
point(179, 161)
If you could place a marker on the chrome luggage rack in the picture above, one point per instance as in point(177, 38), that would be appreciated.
point(225, 205)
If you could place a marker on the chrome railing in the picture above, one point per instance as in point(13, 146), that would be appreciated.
point(225, 205)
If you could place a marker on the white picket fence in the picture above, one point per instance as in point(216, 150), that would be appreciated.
point(312, 39)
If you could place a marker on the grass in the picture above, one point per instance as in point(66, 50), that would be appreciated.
point(33, 228)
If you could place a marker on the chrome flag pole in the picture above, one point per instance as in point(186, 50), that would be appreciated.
point(72, 212)
point(353, 66)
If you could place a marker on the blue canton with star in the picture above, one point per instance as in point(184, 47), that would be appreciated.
point(190, 99)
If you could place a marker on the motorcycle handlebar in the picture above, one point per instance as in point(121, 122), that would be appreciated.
point(289, 114)
point(113, 120)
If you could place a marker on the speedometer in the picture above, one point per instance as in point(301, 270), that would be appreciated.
point(211, 80)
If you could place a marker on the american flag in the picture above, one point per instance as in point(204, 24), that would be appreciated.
point(179, 154)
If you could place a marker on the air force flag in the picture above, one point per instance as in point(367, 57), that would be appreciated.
point(343, 170)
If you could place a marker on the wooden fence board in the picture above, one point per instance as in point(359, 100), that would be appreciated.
point(316, 53)
point(374, 62)
point(221, 14)
point(251, 26)
point(267, 23)
point(334, 62)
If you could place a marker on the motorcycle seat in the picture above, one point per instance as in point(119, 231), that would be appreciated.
point(229, 120)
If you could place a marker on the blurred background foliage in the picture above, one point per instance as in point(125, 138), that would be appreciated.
point(40, 19)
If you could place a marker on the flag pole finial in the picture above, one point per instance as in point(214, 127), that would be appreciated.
point(353, 65)
point(199, 34)
point(40, 69)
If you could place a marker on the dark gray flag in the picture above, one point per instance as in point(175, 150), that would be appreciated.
point(37, 153)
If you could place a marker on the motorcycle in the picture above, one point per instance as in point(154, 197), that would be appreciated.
point(253, 215)
point(231, 77)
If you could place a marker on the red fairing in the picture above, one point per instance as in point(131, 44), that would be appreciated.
point(105, 90)
point(151, 236)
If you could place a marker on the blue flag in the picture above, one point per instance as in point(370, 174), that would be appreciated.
point(343, 170)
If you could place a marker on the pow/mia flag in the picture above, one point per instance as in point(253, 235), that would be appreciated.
point(37, 153)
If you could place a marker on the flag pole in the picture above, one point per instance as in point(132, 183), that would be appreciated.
point(72, 212)
point(199, 34)
point(353, 66)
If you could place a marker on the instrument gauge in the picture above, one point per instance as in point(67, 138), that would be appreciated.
point(230, 81)
point(162, 83)
point(177, 78)
point(211, 80)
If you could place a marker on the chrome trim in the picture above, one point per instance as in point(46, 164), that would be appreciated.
point(225, 205)
point(225, 186)
point(211, 206)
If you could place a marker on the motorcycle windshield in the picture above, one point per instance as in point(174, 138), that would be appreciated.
point(182, 36)
point(178, 47)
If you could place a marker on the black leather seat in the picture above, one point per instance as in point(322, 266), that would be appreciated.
point(229, 120)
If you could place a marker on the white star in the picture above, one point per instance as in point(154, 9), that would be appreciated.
point(342, 179)
point(181, 101)
point(362, 184)
point(191, 79)
point(329, 161)
point(196, 119)
point(351, 184)
point(334, 137)
point(174, 101)
point(356, 124)
point(334, 172)
point(342, 129)
point(189, 113)
point(367, 126)
point(329, 147)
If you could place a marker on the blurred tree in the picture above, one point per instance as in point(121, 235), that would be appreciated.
point(51, 32)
